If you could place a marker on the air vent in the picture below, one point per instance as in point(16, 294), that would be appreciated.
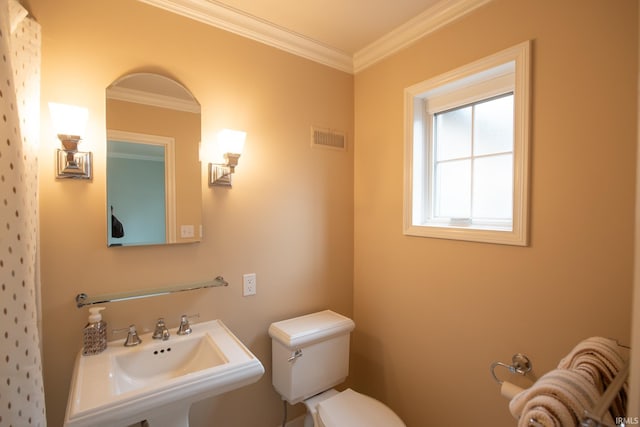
point(328, 138)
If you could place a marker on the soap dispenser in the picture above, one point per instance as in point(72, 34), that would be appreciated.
point(94, 335)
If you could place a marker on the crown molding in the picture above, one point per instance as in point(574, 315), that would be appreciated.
point(432, 19)
point(235, 21)
point(226, 18)
point(153, 99)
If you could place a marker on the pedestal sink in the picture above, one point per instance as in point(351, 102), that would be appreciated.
point(157, 381)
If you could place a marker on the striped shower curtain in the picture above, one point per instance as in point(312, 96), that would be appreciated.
point(21, 387)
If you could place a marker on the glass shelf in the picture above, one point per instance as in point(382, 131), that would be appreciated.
point(83, 299)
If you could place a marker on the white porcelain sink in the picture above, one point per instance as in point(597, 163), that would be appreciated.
point(152, 365)
point(157, 380)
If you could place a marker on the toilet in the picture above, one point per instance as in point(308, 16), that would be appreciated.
point(310, 356)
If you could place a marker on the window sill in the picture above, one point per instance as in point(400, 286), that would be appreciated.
point(471, 233)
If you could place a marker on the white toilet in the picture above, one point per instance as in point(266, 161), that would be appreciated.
point(310, 356)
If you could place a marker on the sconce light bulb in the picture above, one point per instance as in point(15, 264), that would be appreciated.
point(231, 141)
point(69, 120)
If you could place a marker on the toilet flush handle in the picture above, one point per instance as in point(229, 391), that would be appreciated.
point(296, 354)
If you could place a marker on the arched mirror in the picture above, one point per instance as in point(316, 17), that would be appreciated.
point(153, 170)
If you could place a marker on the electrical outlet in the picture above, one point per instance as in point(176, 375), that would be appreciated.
point(249, 284)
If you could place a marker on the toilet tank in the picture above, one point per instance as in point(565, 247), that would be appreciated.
point(310, 354)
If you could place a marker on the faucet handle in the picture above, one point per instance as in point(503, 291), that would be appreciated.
point(185, 328)
point(132, 336)
point(161, 332)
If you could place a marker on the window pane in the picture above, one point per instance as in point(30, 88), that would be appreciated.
point(493, 126)
point(453, 134)
point(493, 187)
point(453, 189)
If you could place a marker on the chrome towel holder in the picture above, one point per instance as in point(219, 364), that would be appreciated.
point(83, 299)
point(520, 364)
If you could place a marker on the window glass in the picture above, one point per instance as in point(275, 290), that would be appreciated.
point(453, 189)
point(473, 170)
point(493, 126)
point(453, 134)
point(492, 187)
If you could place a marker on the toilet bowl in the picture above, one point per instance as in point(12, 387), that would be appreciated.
point(349, 409)
point(310, 356)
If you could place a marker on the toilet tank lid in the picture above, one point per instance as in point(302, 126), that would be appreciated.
point(310, 328)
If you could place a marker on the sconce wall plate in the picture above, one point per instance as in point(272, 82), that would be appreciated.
point(219, 175)
point(71, 165)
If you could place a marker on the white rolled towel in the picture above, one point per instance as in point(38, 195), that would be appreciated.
point(600, 361)
point(557, 399)
point(596, 356)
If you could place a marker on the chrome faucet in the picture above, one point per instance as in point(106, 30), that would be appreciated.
point(132, 336)
point(185, 328)
point(161, 332)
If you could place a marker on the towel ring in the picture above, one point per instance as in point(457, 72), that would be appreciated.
point(520, 365)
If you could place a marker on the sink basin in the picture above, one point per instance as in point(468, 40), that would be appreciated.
point(153, 365)
point(158, 381)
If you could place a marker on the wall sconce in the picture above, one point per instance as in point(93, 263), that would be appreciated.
point(230, 144)
point(70, 123)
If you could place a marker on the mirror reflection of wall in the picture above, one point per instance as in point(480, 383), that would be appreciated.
point(153, 170)
point(137, 192)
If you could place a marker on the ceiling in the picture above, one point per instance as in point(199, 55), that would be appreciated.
point(344, 25)
point(348, 35)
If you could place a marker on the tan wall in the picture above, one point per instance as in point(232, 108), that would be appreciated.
point(288, 218)
point(431, 315)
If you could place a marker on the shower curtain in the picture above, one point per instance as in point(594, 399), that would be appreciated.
point(21, 387)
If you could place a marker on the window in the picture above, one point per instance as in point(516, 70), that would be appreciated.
point(466, 152)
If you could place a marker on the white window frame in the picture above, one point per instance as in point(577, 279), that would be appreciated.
point(505, 71)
